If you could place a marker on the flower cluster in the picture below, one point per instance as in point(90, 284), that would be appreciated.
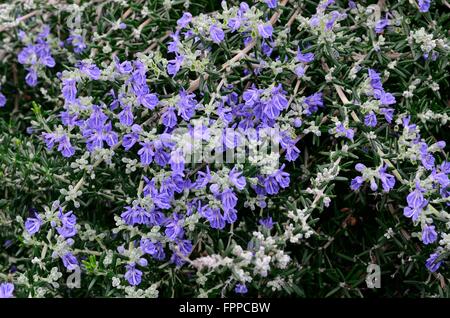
point(36, 56)
point(65, 225)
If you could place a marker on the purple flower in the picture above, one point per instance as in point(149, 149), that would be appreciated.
point(126, 116)
point(387, 180)
point(386, 98)
point(69, 89)
point(229, 200)
point(241, 289)
point(96, 130)
point(429, 235)
point(142, 262)
point(300, 71)
point(161, 157)
point(69, 119)
point(70, 261)
point(230, 215)
point(356, 183)
point(6, 290)
point(77, 42)
point(169, 118)
point(375, 79)
point(177, 259)
point(441, 144)
point(133, 275)
point(173, 46)
point(130, 215)
point(2, 100)
point(370, 120)
point(124, 67)
point(31, 77)
point(185, 247)
point(90, 70)
point(130, 139)
point(203, 178)
point(304, 58)
point(330, 23)
point(234, 24)
point(174, 66)
point(415, 199)
point(47, 60)
point(27, 55)
point(160, 254)
point(49, 139)
point(146, 153)
point(388, 114)
point(405, 122)
point(216, 33)
point(36, 55)
point(149, 101)
point(186, 105)
point(424, 5)
point(267, 223)
point(378, 91)
point(426, 158)
point(177, 161)
point(277, 103)
point(68, 224)
point(184, 20)
point(247, 40)
point(416, 203)
point(174, 227)
point(154, 249)
point(236, 179)
point(265, 30)
point(432, 264)
point(65, 147)
point(287, 143)
point(271, 185)
point(279, 179)
point(381, 24)
point(271, 110)
point(215, 218)
point(272, 4)
point(266, 48)
point(33, 225)
point(243, 8)
point(412, 212)
point(292, 152)
point(325, 4)
point(282, 177)
point(148, 247)
point(441, 178)
point(313, 102)
point(251, 96)
point(347, 132)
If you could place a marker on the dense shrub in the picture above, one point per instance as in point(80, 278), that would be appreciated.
point(207, 149)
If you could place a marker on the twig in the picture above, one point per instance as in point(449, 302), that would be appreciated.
point(292, 18)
